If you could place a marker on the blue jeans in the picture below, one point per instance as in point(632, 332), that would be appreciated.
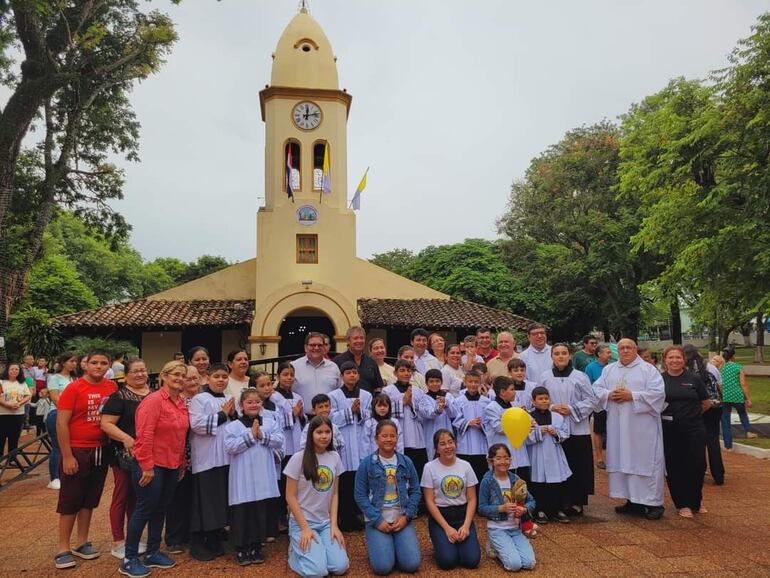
point(466, 554)
point(399, 550)
point(150, 510)
point(727, 410)
point(324, 557)
point(512, 547)
point(55, 456)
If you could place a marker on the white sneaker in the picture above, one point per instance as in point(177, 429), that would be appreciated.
point(54, 485)
point(119, 552)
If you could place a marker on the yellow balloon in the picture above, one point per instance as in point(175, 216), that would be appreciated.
point(516, 425)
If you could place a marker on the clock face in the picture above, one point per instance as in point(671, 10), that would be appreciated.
point(306, 115)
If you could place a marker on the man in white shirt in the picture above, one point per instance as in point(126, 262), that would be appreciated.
point(314, 374)
point(423, 361)
point(538, 355)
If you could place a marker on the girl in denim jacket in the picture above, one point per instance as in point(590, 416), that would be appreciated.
point(387, 491)
point(496, 503)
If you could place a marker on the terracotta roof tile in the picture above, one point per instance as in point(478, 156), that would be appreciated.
point(436, 314)
point(148, 314)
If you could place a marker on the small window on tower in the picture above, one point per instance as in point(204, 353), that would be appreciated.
point(319, 149)
point(292, 156)
point(307, 248)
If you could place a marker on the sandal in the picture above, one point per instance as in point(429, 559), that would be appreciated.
point(685, 512)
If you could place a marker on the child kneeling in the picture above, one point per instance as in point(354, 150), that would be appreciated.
point(312, 493)
point(496, 502)
point(388, 493)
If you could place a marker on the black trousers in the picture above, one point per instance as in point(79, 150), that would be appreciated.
point(580, 457)
point(549, 498)
point(283, 510)
point(10, 431)
point(712, 420)
point(419, 457)
point(347, 510)
point(524, 472)
point(685, 450)
point(178, 512)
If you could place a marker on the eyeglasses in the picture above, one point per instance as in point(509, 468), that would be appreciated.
point(538, 333)
point(315, 345)
point(138, 371)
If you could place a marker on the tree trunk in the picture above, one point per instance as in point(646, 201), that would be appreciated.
point(713, 339)
point(759, 354)
point(723, 338)
point(676, 322)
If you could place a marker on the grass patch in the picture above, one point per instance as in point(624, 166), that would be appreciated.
point(763, 443)
point(760, 394)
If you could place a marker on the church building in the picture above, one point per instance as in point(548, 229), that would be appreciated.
point(306, 275)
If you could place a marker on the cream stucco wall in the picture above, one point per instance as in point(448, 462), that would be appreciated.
point(158, 347)
point(234, 282)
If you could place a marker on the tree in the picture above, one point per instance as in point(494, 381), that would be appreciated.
point(56, 287)
point(398, 260)
point(568, 199)
point(79, 61)
point(32, 331)
point(202, 266)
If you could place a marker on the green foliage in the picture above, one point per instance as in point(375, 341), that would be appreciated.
point(56, 287)
point(33, 331)
point(202, 266)
point(398, 261)
point(565, 219)
point(81, 345)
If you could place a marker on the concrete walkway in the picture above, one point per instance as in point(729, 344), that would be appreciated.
point(731, 540)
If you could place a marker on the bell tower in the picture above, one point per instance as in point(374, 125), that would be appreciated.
point(305, 242)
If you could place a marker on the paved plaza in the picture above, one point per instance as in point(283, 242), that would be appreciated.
point(733, 539)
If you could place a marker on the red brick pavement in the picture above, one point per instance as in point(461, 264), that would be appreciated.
point(733, 539)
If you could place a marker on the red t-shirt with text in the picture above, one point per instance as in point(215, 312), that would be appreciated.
point(85, 400)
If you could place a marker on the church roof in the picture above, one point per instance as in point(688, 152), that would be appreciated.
point(165, 314)
point(436, 314)
point(158, 314)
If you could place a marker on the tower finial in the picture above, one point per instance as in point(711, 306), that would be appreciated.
point(304, 6)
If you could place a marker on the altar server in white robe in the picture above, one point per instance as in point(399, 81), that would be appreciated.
point(409, 409)
point(250, 441)
point(550, 469)
point(293, 417)
point(351, 407)
point(492, 422)
point(468, 421)
point(438, 409)
point(574, 399)
point(633, 393)
point(209, 413)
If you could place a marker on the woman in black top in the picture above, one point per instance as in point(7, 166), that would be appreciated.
point(684, 435)
point(712, 416)
point(118, 423)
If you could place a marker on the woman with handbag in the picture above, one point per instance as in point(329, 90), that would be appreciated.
point(118, 424)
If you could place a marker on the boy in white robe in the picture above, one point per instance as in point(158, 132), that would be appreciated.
point(547, 460)
point(633, 393)
point(505, 395)
point(250, 441)
point(322, 405)
point(438, 409)
point(469, 409)
point(351, 407)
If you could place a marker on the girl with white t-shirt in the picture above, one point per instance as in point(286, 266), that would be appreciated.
point(317, 547)
point(449, 485)
point(499, 504)
point(14, 395)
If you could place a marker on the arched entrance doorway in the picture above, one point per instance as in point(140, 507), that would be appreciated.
point(299, 323)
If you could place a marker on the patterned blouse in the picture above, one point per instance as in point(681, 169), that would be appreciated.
point(731, 383)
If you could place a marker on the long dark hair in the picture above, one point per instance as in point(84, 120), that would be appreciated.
point(694, 361)
point(382, 399)
point(309, 458)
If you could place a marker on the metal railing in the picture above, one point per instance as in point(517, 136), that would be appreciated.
point(25, 458)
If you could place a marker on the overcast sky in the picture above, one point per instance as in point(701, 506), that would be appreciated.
point(451, 101)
